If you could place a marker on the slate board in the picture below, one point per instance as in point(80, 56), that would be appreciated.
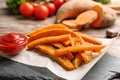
point(102, 69)
point(11, 70)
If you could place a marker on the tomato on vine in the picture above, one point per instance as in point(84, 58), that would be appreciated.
point(41, 12)
point(26, 9)
point(51, 7)
point(58, 3)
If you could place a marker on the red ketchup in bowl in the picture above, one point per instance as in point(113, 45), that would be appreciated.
point(12, 43)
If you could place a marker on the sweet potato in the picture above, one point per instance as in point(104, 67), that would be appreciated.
point(73, 8)
point(100, 13)
point(86, 17)
point(71, 23)
point(109, 18)
point(83, 19)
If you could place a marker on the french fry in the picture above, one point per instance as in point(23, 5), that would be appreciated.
point(73, 41)
point(86, 56)
point(50, 39)
point(78, 41)
point(65, 62)
point(51, 32)
point(53, 26)
point(78, 60)
point(83, 42)
point(89, 39)
point(67, 43)
point(47, 49)
point(66, 50)
point(70, 56)
point(62, 60)
point(59, 46)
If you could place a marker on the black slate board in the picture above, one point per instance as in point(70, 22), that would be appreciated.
point(11, 70)
point(104, 69)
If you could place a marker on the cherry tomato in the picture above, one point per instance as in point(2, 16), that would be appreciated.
point(26, 9)
point(51, 7)
point(58, 3)
point(32, 3)
point(12, 43)
point(41, 12)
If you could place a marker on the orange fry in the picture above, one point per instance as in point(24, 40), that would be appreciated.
point(51, 32)
point(89, 39)
point(53, 26)
point(66, 50)
point(62, 60)
point(70, 56)
point(59, 45)
point(78, 60)
point(86, 56)
point(65, 62)
point(50, 39)
point(73, 41)
point(47, 49)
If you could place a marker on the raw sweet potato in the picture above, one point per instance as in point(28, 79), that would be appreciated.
point(100, 13)
point(84, 18)
point(71, 24)
point(73, 8)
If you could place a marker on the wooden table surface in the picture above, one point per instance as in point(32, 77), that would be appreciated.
point(15, 23)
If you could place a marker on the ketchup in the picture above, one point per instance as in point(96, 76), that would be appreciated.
point(12, 43)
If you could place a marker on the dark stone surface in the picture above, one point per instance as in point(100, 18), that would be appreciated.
point(104, 69)
point(11, 70)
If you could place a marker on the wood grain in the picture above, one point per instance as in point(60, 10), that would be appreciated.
point(17, 23)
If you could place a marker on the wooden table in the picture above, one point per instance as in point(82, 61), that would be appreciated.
point(15, 23)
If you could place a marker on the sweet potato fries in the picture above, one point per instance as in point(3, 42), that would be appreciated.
point(69, 48)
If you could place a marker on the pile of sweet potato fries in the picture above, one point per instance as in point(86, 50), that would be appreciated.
point(69, 48)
